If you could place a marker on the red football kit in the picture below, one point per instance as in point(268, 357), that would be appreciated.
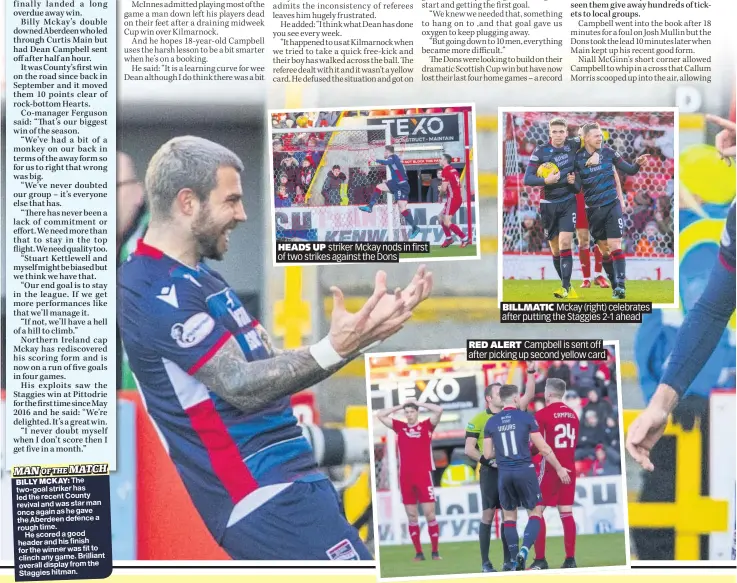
point(453, 200)
point(559, 427)
point(415, 461)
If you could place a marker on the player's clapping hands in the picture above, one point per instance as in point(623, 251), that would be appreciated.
point(382, 316)
point(571, 178)
point(726, 140)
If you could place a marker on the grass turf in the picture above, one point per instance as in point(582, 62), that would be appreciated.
point(436, 251)
point(526, 290)
point(461, 558)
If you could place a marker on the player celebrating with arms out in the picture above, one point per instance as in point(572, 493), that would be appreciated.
point(507, 437)
point(451, 188)
point(559, 426)
point(699, 333)
point(488, 471)
point(398, 185)
point(552, 167)
point(414, 440)
point(213, 385)
point(603, 201)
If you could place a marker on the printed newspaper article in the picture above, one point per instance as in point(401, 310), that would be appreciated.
point(444, 287)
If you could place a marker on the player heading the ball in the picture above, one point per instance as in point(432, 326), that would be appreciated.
point(398, 185)
point(416, 464)
point(552, 166)
point(507, 437)
point(602, 200)
point(213, 384)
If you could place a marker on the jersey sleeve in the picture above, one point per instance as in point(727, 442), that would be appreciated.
point(531, 177)
point(474, 427)
point(621, 164)
point(534, 427)
point(397, 424)
point(176, 326)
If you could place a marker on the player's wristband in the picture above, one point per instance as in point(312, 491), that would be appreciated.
point(325, 355)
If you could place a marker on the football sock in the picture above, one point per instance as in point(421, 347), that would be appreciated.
point(414, 534)
point(505, 548)
point(556, 263)
point(569, 534)
point(566, 267)
point(597, 261)
point(531, 531)
point(446, 230)
point(618, 260)
point(511, 537)
point(375, 197)
point(484, 541)
point(433, 530)
point(609, 269)
point(584, 256)
point(408, 218)
point(540, 542)
point(457, 230)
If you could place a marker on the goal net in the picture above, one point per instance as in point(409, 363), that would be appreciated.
point(328, 173)
point(648, 217)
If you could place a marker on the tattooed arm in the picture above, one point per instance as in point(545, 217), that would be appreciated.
point(250, 386)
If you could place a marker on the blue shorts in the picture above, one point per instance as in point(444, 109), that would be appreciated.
point(400, 190)
point(303, 522)
point(519, 489)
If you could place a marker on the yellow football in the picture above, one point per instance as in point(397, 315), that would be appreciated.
point(546, 169)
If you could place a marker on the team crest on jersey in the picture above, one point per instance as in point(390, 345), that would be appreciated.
point(193, 331)
point(343, 551)
point(412, 433)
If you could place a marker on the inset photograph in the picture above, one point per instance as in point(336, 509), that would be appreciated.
point(484, 467)
point(587, 206)
point(377, 175)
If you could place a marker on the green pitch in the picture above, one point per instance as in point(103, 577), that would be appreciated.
point(526, 290)
point(455, 250)
point(592, 550)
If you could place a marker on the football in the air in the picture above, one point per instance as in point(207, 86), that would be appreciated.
point(546, 169)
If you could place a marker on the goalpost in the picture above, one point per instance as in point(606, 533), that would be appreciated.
point(311, 205)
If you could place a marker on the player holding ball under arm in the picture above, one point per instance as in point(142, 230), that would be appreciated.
point(698, 335)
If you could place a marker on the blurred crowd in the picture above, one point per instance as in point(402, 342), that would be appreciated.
point(648, 195)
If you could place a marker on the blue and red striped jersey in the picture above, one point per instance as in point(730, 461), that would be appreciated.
point(396, 168)
point(173, 319)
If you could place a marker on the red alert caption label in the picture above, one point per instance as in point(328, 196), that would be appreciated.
point(532, 350)
point(348, 252)
point(61, 522)
point(574, 312)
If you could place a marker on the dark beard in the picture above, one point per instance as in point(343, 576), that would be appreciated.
point(207, 236)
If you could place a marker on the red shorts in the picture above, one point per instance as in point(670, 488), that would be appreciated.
point(417, 488)
point(555, 492)
point(582, 221)
point(451, 205)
